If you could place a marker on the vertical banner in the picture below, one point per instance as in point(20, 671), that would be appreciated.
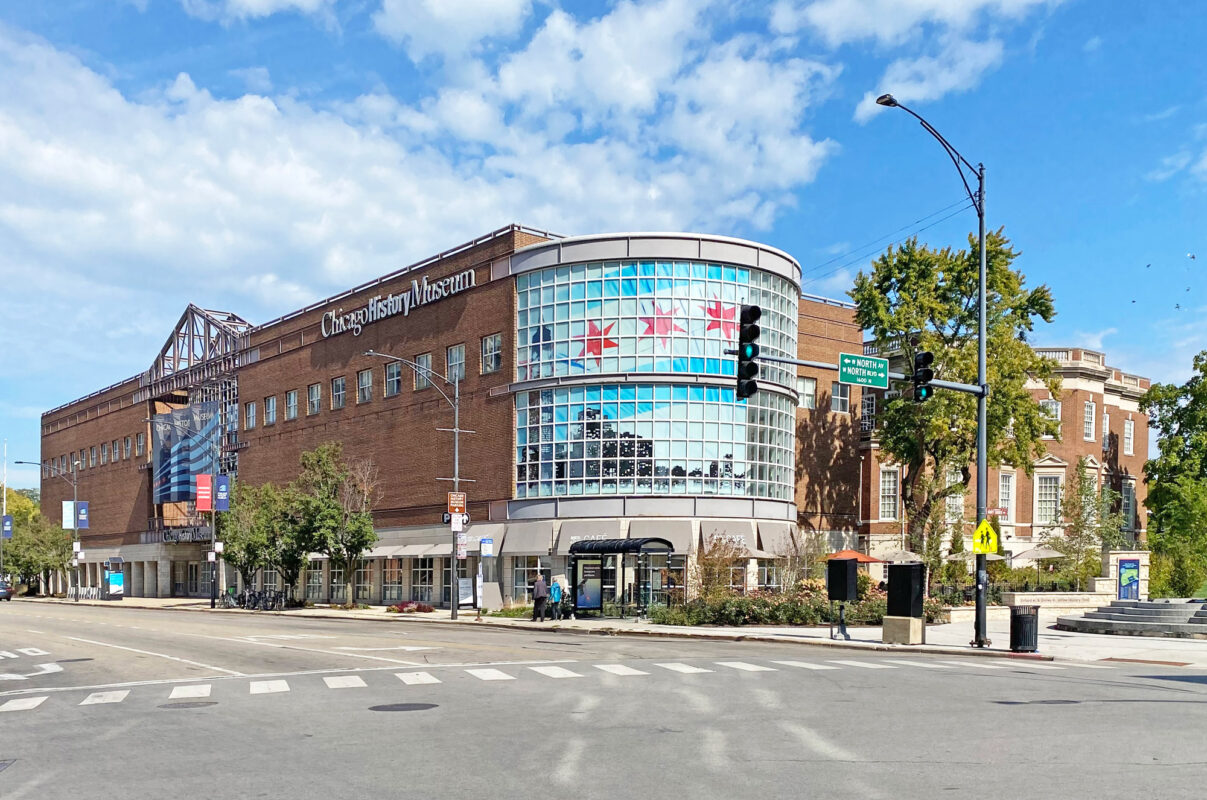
point(205, 492)
point(68, 515)
point(81, 515)
point(183, 443)
point(222, 492)
point(8, 527)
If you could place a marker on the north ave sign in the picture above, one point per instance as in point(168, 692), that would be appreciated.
point(420, 293)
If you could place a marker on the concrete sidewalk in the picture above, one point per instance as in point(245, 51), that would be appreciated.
point(949, 639)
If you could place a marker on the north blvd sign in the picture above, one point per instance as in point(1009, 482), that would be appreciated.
point(863, 370)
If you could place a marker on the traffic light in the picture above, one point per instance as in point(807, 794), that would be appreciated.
point(923, 375)
point(748, 350)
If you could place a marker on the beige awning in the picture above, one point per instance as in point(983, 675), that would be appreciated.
point(317, 556)
point(739, 531)
point(676, 531)
point(412, 550)
point(779, 539)
point(383, 551)
point(445, 549)
point(528, 538)
point(579, 530)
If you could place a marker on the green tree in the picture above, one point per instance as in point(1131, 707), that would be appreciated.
point(1091, 524)
point(917, 299)
point(1179, 416)
point(1180, 543)
point(244, 531)
point(38, 548)
point(335, 504)
point(21, 506)
point(288, 544)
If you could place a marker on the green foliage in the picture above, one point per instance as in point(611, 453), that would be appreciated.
point(38, 546)
point(287, 543)
point(914, 293)
point(1090, 524)
point(512, 612)
point(23, 508)
point(1179, 544)
point(1179, 415)
point(244, 531)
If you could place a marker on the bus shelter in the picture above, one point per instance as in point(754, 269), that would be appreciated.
point(599, 573)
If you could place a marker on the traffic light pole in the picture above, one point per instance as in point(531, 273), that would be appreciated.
point(966, 388)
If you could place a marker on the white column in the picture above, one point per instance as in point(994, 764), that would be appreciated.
point(163, 577)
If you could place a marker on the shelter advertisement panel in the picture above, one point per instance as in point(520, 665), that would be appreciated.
point(588, 584)
point(183, 442)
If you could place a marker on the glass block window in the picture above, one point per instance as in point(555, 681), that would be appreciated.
point(806, 392)
point(1047, 504)
point(339, 392)
point(492, 353)
point(314, 398)
point(291, 404)
point(455, 359)
point(423, 374)
point(889, 488)
point(393, 378)
point(653, 439)
point(621, 317)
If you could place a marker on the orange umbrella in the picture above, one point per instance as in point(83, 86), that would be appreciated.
point(862, 558)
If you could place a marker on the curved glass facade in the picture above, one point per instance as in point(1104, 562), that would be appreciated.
point(658, 319)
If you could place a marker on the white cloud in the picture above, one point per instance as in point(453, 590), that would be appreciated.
point(1170, 166)
point(1092, 339)
point(451, 29)
point(958, 67)
point(890, 22)
point(230, 10)
point(1092, 45)
point(834, 286)
point(256, 79)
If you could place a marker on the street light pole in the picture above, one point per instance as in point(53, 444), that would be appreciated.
point(455, 402)
point(982, 467)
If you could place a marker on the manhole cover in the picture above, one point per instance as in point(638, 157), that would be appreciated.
point(191, 704)
point(403, 707)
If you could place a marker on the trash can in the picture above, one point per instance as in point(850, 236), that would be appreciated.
point(1024, 629)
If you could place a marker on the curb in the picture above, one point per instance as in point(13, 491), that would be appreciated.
point(671, 633)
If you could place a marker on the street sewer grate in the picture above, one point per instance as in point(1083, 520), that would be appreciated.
point(404, 707)
point(191, 704)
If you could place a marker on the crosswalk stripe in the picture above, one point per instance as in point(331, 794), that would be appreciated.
point(416, 678)
point(7, 654)
point(202, 690)
point(555, 672)
point(344, 681)
point(100, 698)
point(1088, 666)
point(684, 668)
point(32, 651)
point(976, 664)
point(1030, 665)
point(804, 665)
point(490, 675)
point(864, 664)
point(620, 669)
point(269, 687)
point(923, 664)
point(22, 704)
point(742, 665)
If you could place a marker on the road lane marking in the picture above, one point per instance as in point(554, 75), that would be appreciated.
point(101, 698)
point(416, 678)
point(804, 665)
point(555, 672)
point(684, 668)
point(32, 651)
point(23, 704)
point(863, 664)
point(620, 669)
point(157, 655)
point(490, 675)
point(382, 649)
point(923, 664)
point(194, 690)
point(6, 654)
point(973, 664)
point(1090, 666)
point(744, 667)
point(245, 640)
point(269, 687)
point(344, 682)
point(1029, 665)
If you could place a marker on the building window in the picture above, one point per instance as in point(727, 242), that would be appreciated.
point(806, 392)
point(338, 392)
point(840, 398)
point(1129, 437)
point(393, 378)
point(1088, 422)
point(1005, 496)
point(116, 450)
point(249, 415)
point(104, 454)
point(955, 502)
point(737, 577)
point(1106, 430)
point(270, 410)
point(126, 450)
point(362, 580)
point(364, 386)
point(92, 456)
point(523, 573)
point(422, 578)
point(391, 580)
point(314, 581)
point(492, 353)
point(336, 589)
point(1051, 409)
point(140, 444)
point(888, 493)
point(769, 575)
point(456, 362)
point(423, 372)
point(1047, 509)
point(270, 579)
point(63, 462)
point(1127, 505)
point(291, 404)
point(867, 419)
point(314, 398)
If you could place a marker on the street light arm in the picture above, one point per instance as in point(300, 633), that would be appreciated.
point(420, 369)
point(71, 481)
point(952, 153)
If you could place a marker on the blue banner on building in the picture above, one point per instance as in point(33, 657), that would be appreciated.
point(8, 526)
point(222, 493)
point(81, 514)
point(183, 443)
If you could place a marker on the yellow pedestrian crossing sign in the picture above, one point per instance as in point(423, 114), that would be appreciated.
point(985, 539)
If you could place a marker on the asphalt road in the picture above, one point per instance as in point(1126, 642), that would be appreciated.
point(138, 703)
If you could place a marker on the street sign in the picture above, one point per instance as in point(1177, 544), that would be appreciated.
point(222, 492)
point(457, 523)
point(447, 518)
point(81, 514)
point(205, 492)
point(218, 547)
point(461, 551)
point(997, 512)
point(984, 541)
point(211, 556)
point(456, 502)
point(486, 548)
point(863, 370)
point(8, 526)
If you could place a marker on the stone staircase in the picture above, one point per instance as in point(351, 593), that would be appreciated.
point(1185, 619)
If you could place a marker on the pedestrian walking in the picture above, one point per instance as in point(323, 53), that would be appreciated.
point(555, 599)
point(540, 596)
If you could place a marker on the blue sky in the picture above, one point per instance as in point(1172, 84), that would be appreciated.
point(253, 155)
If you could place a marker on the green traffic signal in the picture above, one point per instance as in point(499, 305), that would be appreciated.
point(748, 351)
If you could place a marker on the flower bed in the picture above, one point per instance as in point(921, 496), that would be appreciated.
point(409, 607)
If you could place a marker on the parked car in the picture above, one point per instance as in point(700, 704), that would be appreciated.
point(6, 591)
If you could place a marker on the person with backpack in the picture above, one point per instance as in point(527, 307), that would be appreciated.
point(555, 599)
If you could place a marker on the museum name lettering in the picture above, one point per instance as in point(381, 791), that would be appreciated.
point(419, 294)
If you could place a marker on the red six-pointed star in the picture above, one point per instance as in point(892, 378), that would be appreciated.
point(723, 318)
point(596, 341)
point(661, 324)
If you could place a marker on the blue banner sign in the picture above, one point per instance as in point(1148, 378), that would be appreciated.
point(222, 493)
point(81, 514)
point(183, 442)
point(8, 526)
